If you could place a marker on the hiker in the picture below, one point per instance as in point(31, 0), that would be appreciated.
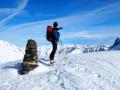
point(53, 36)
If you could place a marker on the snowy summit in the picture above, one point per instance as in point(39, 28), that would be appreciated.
point(73, 71)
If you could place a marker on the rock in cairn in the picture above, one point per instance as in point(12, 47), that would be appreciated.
point(30, 57)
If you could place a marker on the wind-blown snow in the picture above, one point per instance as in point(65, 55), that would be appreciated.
point(80, 71)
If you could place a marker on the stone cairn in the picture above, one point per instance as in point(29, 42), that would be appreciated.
point(30, 57)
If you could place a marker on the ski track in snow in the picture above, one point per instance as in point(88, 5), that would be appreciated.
point(89, 71)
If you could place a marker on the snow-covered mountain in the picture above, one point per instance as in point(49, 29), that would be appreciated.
point(73, 49)
point(74, 70)
point(9, 52)
point(44, 50)
point(95, 48)
point(116, 45)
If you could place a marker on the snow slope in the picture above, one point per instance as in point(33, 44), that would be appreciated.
point(83, 71)
point(9, 52)
point(74, 70)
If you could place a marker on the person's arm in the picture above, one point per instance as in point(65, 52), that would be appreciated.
point(59, 28)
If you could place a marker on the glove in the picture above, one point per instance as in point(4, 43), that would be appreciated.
point(60, 28)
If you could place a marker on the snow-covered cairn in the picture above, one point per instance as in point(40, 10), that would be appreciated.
point(30, 57)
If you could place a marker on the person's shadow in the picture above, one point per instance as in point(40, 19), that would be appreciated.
point(43, 61)
point(18, 64)
point(13, 65)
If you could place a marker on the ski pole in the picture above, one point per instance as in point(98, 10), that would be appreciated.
point(61, 42)
point(62, 45)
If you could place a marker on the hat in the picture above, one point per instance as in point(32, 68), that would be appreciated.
point(55, 24)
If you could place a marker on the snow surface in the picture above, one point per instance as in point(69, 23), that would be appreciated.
point(73, 71)
point(9, 52)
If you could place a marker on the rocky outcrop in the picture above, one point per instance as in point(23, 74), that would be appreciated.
point(30, 57)
point(116, 45)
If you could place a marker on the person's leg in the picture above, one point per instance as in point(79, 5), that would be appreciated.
point(54, 48)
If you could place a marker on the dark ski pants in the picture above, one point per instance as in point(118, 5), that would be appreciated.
point(54, 48)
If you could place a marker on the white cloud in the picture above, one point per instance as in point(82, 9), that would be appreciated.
point(91, 17)
point(96, 16)
point(16, 11)
point(82, 34)
point(93, 33)
point(6, 11)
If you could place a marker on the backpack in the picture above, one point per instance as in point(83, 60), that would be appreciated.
point(49, 33)
point(52, 35)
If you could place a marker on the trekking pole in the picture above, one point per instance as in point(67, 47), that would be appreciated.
point(61, 42)
point(62, 45)
point(21, 51)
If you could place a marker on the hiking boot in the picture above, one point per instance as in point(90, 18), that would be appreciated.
point(52, 61)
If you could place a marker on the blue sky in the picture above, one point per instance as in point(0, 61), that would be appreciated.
point(83, 21)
